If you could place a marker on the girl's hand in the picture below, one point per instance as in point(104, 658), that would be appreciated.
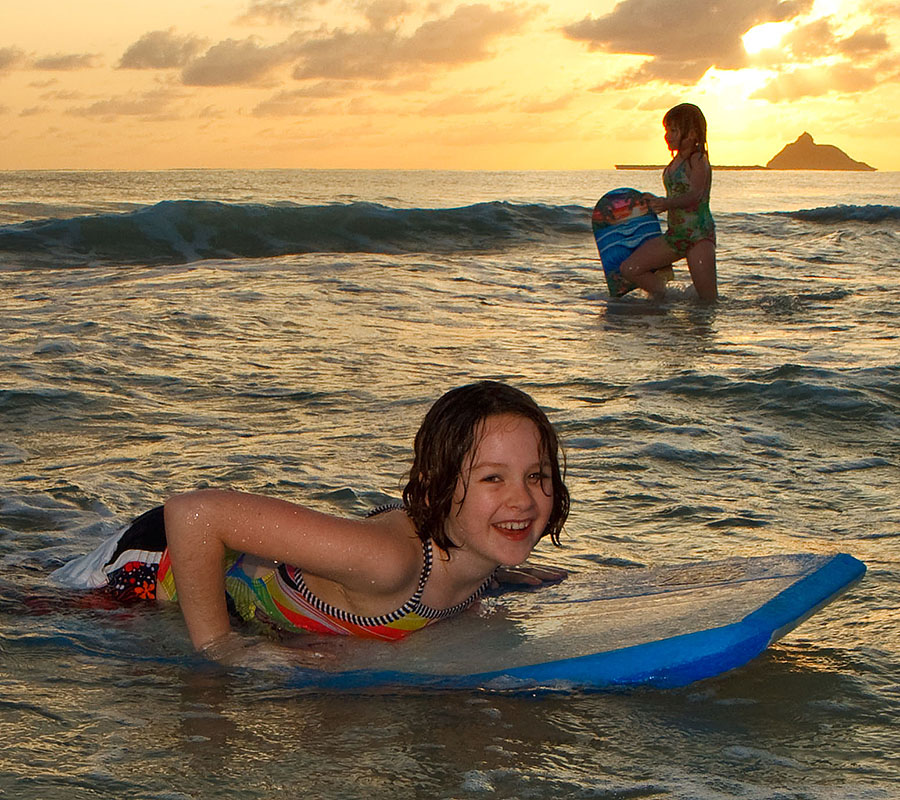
point(528, 575)
point(657, 204)
point(251, 652)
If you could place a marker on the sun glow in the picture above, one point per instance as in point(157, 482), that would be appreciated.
point(764, 37)
point(454, 84)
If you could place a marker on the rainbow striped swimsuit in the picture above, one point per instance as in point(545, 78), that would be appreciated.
point(278, 597)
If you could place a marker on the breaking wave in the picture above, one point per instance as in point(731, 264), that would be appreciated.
point(846, 213)
point(181, 231)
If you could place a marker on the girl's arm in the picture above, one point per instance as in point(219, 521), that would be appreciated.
point(369, 557)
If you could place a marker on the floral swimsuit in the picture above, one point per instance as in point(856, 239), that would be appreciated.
point(687, 227)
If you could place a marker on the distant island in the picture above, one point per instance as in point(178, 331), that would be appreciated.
point(806, 154)
point(802, 154)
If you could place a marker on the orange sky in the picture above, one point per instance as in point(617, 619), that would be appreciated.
point(439, 85)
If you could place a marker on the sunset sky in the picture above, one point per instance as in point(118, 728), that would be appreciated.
point(439, 85)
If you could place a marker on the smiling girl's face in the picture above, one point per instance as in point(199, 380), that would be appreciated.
point(504, 495)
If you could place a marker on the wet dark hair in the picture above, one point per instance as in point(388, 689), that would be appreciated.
point(687, 116)
point(448, 434)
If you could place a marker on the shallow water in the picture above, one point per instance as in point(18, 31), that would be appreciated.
point(135, 366)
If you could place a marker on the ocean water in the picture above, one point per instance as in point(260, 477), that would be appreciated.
point(285, 331)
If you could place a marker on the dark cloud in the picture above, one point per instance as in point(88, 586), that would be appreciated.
point(814, 40)
point(683, 39)
point(864, 43)
point(462, 37)
point(381, 13)
point(160, 50)
point(10, 58)
point(348, 55)
point(279, 12)
point(64, 63)
point(234, 62)
point(377, 50)
point(378, 13)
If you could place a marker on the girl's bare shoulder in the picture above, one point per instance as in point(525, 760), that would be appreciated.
point(390, 548)
point(699, 159)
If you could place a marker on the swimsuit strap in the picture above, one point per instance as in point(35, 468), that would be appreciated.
point(428, 552)
point(414, 605)
point(442, 613)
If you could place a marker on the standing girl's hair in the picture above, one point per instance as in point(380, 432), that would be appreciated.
point(687, 117)
point(449, 433)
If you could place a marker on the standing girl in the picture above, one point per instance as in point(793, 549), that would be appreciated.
point(484, 488)
point(691, 231)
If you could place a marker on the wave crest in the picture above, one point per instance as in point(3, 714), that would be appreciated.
point(180, 231)
point(846, 213)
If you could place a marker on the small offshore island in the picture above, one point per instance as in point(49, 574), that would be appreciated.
point(801, 154)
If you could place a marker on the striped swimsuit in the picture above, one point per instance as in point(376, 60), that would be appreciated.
point(134, 565)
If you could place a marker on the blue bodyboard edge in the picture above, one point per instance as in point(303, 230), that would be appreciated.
point(666, 663)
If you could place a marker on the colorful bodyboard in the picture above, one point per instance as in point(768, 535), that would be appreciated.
point(622, 221)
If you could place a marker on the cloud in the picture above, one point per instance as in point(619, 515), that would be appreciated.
point(10, 58)
point(378, 13)
point(65, 63)
point(864, 43)
point(279, 12)
point(382, 12)
point(817, 81)
point(810, 41)
point(152, 105)
point(62, 95)
point(160, 50)
point(234, 62)
point(363, 54)
point(805, 66)
point(377, 53)
point(463, 36)
point(819, 40)
point(684, 39)
point(302, 101)
point(376, 50)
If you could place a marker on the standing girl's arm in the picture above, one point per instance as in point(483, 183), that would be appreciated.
point(364, 558)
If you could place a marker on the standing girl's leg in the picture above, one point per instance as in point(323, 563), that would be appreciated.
point(651, 255)
point(701, 260)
